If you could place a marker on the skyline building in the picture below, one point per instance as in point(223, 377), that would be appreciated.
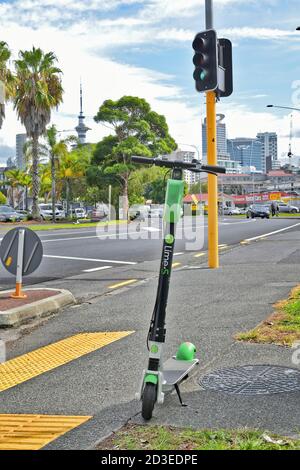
point(269, 141)
point(21, 140)
point(248, 152)
point(186, 156)
point(81, 128)
point(221, 137)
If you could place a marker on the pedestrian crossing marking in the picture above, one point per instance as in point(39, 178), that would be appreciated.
point(37, 362)
point(33, 432)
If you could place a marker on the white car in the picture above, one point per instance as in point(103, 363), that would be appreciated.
point(80, 213)
point(47, 214)
point(231, 211)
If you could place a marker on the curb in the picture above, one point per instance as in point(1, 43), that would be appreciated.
point(17, 316)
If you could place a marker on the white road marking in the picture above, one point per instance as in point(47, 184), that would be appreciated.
point(271, 233)
point(178, 254)
point(102, 268)
point(151, 229)
point(89, 259)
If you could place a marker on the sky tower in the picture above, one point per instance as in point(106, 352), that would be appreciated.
point(81, 129)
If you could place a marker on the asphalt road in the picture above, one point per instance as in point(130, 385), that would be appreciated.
point(71, 252)
point(206, 307)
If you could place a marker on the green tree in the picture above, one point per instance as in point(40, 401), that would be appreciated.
point(57, 149)
point(137, 131)
point(2, 198)
point(38, 90)
point(198, 188)
point(6, 78)
point(26, 182)
point(73, 166)
point(13, 179)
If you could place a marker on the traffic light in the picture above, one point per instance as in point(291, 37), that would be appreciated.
point(206, 61)
point(225, 68)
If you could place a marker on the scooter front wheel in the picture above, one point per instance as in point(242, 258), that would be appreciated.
point(149, 399)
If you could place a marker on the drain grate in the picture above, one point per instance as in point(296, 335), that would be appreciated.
point(253, 380)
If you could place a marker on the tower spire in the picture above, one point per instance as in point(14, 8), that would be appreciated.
point(81, 128)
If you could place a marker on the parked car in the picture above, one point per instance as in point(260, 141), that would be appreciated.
point(256, 210)
point(23, 214)
point(284, 207)
point(98, 214)
point(79, 213)
point(156, 213)
point(231, 211)
point(47, 214)
point(8, 214)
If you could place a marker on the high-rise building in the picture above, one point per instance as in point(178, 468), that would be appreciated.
point(21, 140)
point(248, 152)
point(221, 137)
point(184, 156)
point(81, 128)
point(269, 143)
point(10, 163)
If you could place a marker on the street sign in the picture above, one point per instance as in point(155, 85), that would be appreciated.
point(32, 251)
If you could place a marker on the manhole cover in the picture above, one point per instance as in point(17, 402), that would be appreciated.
point(253, 380)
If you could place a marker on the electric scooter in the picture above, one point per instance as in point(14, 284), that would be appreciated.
point(161, 378)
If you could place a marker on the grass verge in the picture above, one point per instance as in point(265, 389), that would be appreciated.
point(58, 226)
point(282, 327)
point(133, 437)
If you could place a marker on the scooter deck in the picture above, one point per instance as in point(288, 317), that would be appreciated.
point(174, 371)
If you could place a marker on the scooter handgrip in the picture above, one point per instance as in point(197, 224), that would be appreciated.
point(214, 169)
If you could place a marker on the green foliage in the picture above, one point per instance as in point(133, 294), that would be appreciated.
point(198, 188)
point(146, 438)
point(137, 131)
point(2, 198)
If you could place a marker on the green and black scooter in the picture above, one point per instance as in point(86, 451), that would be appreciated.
point(161, 378)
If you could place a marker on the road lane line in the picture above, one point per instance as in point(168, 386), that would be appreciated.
point(178, 254)
point(74, 258)
point(30, 365)
point(102, 268)
point(176, 265)
point(247, 240)
point(122, 284)
point(198, 255)
point(33, 432)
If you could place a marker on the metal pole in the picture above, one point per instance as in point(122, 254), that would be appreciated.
point(109, 203)
point(213, 229)
point(18, 293)
point(209, 15)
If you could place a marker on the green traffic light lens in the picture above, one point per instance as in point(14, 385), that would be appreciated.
point(203, 75)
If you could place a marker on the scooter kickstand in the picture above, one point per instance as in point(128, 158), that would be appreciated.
point(179, 395)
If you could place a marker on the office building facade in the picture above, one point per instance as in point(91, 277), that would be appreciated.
point(221, 137)
point(248, 153)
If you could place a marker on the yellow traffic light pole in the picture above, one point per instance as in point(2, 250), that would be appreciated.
point(213, 228)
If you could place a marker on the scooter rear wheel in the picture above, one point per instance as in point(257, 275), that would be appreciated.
point(149, 399)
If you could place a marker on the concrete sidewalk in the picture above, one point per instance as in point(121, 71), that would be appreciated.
point(207, 308)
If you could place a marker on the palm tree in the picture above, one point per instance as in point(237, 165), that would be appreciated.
point(26, 182)
point(58, 150)
point(72, 167)
point(38, 90)
point(13, 180)
point(6, 79)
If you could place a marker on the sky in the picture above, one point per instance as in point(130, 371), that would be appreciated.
point(144, 48)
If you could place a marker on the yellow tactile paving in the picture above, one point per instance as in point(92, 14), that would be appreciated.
point(32, 432)
point(32, 364)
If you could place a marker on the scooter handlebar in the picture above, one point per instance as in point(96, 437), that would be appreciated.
point(195, 166)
